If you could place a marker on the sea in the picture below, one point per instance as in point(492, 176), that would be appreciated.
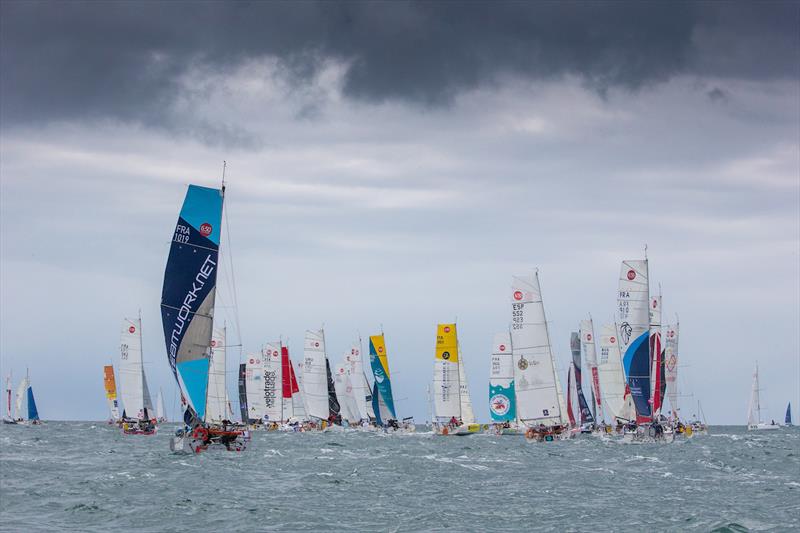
point(84, 476)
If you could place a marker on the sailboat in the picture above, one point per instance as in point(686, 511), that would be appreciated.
point(382, 397)
point(110, 385)
point(540, 403)
point(362, 391)
point(9, 418)
point(586, 421)
point(590, 355)
point(318, 386)
point(187, 313)
point(452, 408)
point(502, 396)
point(138, 417)
point(293, 408)
point(754, 422)
point(617, 400)
point(27, 413)
point(787, 421)
point(161, 411)
point(634, 334)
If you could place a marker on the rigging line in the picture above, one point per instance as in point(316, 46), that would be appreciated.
point(232, 273)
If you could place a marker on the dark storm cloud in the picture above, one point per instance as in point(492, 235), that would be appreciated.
point(75, 60)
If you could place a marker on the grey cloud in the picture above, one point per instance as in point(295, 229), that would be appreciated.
point(88, 60)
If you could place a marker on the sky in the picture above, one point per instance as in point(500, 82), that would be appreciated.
point(390, 166)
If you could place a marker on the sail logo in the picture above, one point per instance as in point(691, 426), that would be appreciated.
point(502, 347)
point(447, 329)
point(588, 337)
point(523, 364)
point(131, 329)
point(612, 340)
point(518, 295)
point(671, 363)
point(213, 343)
point(445, 355)
point(631, 275)
point(205, 229)
point(500, 404)
point(379, 375)
point(206, 269)
point(626, 330)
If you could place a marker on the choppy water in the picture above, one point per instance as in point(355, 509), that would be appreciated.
point(89, 477)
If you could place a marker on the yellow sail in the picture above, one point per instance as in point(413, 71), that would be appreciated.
point(447, 343)
point(380, 348)
point(110, 383)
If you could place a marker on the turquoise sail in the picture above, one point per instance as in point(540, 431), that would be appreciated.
point(502, 403)
point(187, 297)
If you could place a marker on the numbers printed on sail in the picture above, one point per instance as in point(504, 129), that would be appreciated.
point(123, 352)
point(181, 234)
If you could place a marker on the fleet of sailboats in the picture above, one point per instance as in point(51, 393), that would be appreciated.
point(630, 383)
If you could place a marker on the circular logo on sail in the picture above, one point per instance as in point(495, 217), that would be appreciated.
point(522, 364)
point(213, 343)
point(447, 329)
point(502, 347)
point(205, 229)
point(500, 404)
point(131, 329)
point(445, 355)
point(655, 303)
point(631, 274)
point(588, 336)
point(316, 345)
point(380, 349)
point(612, 340)
point(671, 333)
point(252, 361)
point(671, 362)
point(518, 295)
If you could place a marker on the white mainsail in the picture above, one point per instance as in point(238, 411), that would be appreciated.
point(315, 375)
point(217, 395)
point(361, 388)
point(671, 367)
point(22, 398)
point(254, 385)
point(272, 390)
point(446, 375)
point(133, 385)
point(612, 377)
point(539, 398)
point(754, 409)
point(467, 414)
point(344, 392)
point(587, 342)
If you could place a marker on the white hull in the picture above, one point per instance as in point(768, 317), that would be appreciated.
point(762, 427)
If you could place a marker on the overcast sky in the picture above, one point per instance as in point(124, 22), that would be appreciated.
point(393, 165)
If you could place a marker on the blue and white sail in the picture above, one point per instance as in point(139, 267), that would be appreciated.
point(502, 398)
point(26, 404)
point(788, 419)
point(188, 294)
point(634, 333)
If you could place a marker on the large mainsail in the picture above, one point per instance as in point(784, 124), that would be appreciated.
point(315, 375)
point(502, 398)
point(446, 376)
point(22, 397)
point(344, 392)
point(133, 386)
point(290, 391)
point(187, 298)
point(217, 399)
point(109, 383)
point(362, 394)
point(254, 388)
point(616, 398)
point(575, 346)
point(587, 343)
point(671, 367)
point(754, 409)
point(634, 325)
point(787, 420)
point(161, 411)
point(535, 377)
point(382, 399)
point(273, 399)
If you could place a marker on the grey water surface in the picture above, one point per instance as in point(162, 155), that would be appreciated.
point(83, 476)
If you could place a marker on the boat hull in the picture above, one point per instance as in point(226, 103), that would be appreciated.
point(762, 427)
